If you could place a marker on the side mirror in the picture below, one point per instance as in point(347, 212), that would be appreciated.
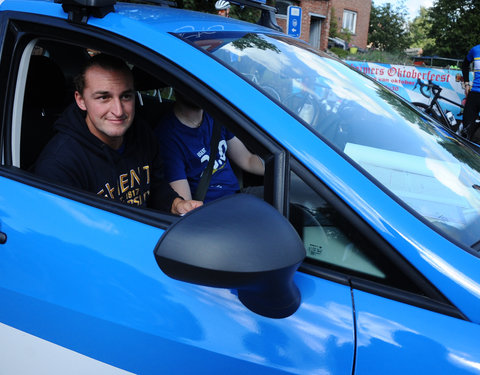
point(237, 242)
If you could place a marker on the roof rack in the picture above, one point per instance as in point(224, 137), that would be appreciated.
point(79, 10)
point(267, 18)
point(169, 3)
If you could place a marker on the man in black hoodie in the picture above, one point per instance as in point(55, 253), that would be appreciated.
point(99, 147)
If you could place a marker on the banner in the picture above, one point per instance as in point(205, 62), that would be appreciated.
point(403, 78)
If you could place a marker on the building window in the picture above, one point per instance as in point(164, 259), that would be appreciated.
point(282, 6)
point(349, 20)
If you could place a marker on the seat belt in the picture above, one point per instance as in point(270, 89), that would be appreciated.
point(204, 182)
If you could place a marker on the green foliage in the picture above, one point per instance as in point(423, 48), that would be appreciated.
point(419, 29)
point(383, 57)
point(340, 52)
point(388, 29)
point(346, 35)
point(199, 5)
point(242, 13)
point(455, 26)
point(251, 15)
point(254, 41)
point(333, 33)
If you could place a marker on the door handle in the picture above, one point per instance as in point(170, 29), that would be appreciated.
point(3, 238)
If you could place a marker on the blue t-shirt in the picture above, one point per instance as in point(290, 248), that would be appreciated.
point(186, 152)
point(474, 55)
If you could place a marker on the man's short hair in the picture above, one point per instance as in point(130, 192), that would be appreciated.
point(104, 61)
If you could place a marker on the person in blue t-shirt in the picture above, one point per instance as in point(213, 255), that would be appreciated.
point(472, 92)
point(184, 135)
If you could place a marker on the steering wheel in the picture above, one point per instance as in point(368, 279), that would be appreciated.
point(272, 92)
point(304, 105)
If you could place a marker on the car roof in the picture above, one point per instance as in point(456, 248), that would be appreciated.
point(159, 18)
point(179, 20)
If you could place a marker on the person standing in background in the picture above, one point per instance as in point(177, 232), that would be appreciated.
point(472, 91)
point(223, 8)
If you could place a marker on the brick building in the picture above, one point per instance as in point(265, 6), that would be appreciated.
point(353, 15)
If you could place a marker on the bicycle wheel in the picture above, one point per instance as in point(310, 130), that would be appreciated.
point(431, 112)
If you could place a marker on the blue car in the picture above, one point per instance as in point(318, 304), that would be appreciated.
point(361, 258)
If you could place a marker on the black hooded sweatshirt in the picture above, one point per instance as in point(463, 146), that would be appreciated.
point(75, 157)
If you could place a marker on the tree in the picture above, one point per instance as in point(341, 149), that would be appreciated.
point(455, 26)
point(333, 32)
point(419, 32)
point(388, 29)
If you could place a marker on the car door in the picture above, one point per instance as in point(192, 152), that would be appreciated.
point(399, 338)
point(80, 288)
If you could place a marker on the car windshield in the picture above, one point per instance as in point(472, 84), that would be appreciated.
point(430, 170)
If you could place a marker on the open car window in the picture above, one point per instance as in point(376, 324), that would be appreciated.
point(45, 89)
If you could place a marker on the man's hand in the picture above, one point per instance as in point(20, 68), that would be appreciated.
point(467, 87)
point(181, 207)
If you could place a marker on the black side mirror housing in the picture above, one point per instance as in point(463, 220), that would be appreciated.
point(237, 242)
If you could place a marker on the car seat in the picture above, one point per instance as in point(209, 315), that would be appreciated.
point(150, 107)
point(43, 103)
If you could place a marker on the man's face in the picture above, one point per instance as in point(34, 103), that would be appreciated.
point(224, 12)
point(109, 100)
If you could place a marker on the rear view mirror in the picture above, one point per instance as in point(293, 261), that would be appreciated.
point(238, 242)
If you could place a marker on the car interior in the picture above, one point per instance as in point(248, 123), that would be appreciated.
point(49, 90)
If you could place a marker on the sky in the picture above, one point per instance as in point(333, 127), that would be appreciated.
point(413, 6)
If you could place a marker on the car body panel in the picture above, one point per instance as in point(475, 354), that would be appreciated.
point(45, 356)
point(35, 7)
point(87, 280)
point(415, 340)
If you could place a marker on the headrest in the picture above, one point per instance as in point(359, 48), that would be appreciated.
point(145, 81)
point(45, 81)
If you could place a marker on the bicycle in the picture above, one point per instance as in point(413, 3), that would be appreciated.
point(434, 109)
